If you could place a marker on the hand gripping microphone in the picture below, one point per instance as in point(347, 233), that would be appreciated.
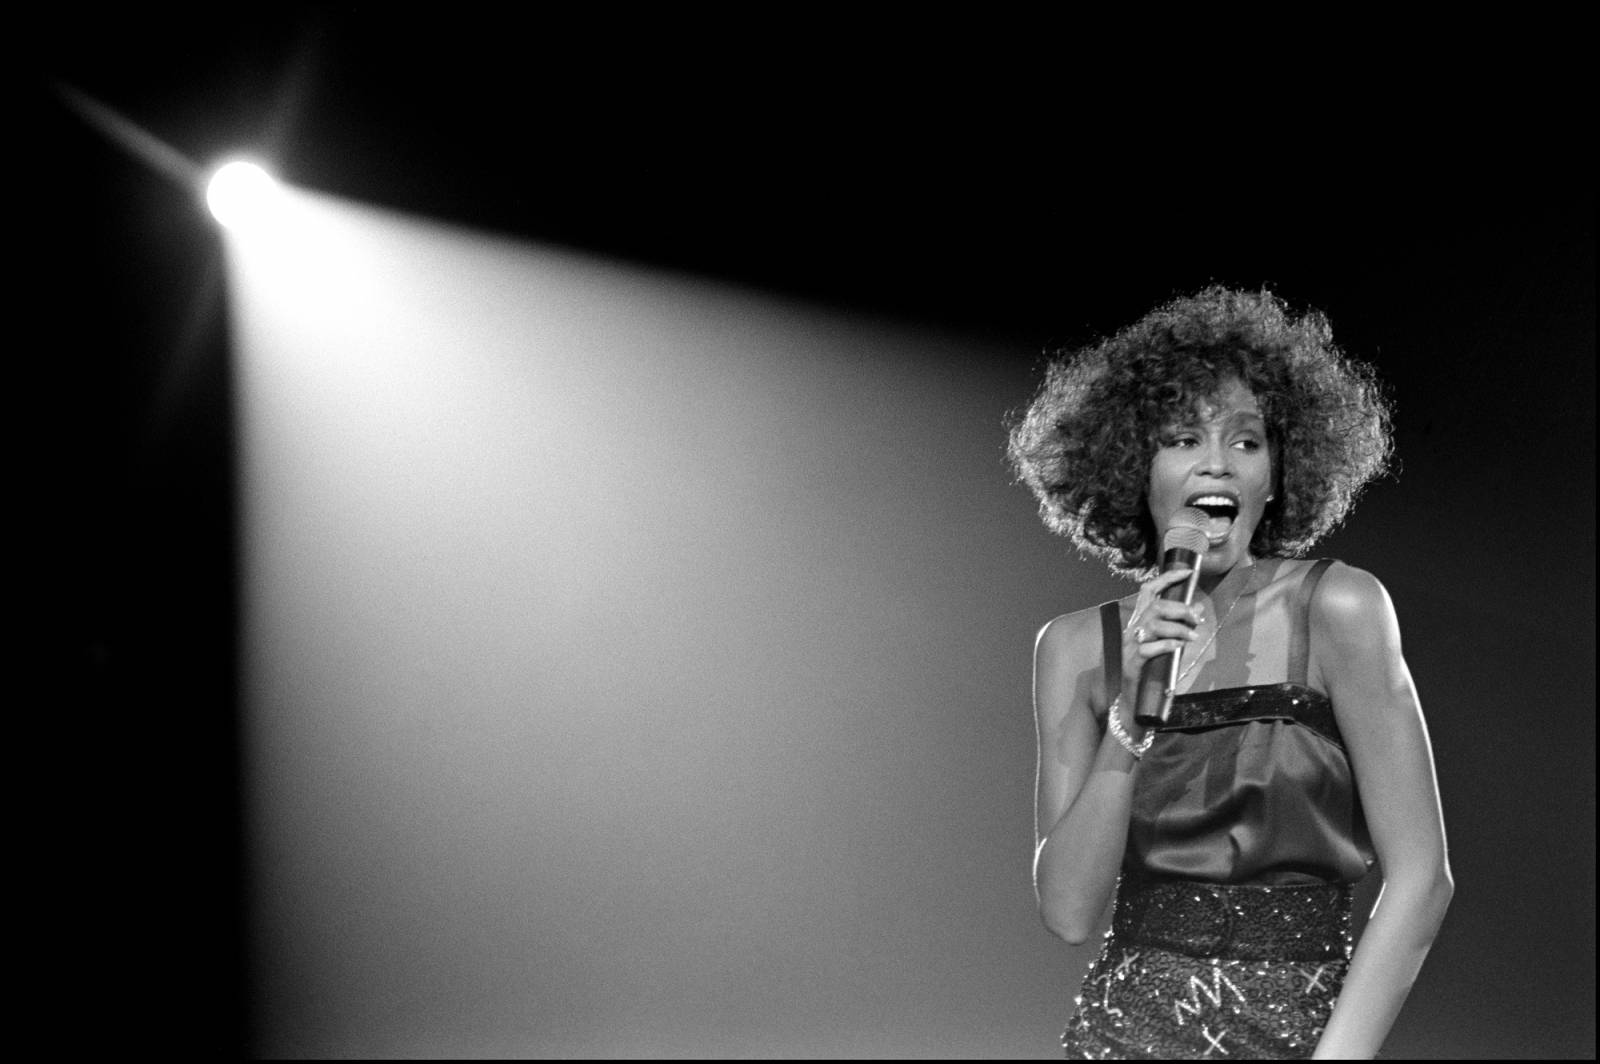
point(1181, 548)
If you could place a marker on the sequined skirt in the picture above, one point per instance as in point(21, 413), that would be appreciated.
point(1195, 970)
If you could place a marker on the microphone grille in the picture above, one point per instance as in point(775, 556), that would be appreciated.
point(1188, 531)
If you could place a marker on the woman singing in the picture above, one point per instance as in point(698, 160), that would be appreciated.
point(1295, 753)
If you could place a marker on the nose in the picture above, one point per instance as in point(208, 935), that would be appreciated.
point(1215, 459)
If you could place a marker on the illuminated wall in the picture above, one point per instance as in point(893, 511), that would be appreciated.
point(633, 666)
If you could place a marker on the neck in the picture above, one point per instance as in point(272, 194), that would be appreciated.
point(1211, 578)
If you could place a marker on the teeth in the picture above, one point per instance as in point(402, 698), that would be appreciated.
point(1213, 500)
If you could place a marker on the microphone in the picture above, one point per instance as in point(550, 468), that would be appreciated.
point(1181, 548)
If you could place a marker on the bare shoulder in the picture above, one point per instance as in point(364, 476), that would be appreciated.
point(1066, 653)
point(1349, 598)
point(1070, 637)
point(1355, 637)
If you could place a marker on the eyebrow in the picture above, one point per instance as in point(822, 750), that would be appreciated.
point(1193, 419)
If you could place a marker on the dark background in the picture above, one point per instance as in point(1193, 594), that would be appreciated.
point(1033, 185)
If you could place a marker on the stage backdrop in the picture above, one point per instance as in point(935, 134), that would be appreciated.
point(639, 666)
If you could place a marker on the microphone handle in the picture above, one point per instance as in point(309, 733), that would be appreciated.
point(1159, 676)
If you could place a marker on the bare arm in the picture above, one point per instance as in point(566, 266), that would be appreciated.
point(1356, 649)
point(1085, 781)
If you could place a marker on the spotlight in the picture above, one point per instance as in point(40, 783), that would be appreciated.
point(242, 195)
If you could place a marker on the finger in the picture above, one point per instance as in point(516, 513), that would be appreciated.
point(1169, 614)
point(1149, 599)
point(1160, 629)
point(1167, 610)
point(1161, 581)
point(1157, 647)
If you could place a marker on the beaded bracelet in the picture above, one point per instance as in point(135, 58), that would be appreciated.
point(1120, 734)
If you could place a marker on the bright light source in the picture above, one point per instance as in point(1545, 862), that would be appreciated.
point(242, 195)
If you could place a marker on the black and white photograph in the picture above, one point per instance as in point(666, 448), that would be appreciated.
point(801, 534)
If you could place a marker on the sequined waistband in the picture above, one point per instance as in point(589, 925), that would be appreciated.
point(1291, 923)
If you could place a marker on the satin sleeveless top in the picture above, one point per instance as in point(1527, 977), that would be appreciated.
point(1246, 784)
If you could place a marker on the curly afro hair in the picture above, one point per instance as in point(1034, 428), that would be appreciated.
point(1085, 444)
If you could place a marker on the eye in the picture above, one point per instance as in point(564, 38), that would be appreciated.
point(1249, 444)
point(1180, 439)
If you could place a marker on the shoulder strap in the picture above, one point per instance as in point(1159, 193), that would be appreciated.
point(1300, 641)
point(1111, 643)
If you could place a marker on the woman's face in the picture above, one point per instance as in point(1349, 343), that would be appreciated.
point(1217, 460)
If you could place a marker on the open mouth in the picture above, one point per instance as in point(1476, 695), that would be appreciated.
point(1222, 511)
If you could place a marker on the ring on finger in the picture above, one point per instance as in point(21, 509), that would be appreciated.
point(1138, 634)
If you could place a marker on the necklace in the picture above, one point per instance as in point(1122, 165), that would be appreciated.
point(1194, 662)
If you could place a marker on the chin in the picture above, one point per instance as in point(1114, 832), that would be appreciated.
point(1225, 555)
